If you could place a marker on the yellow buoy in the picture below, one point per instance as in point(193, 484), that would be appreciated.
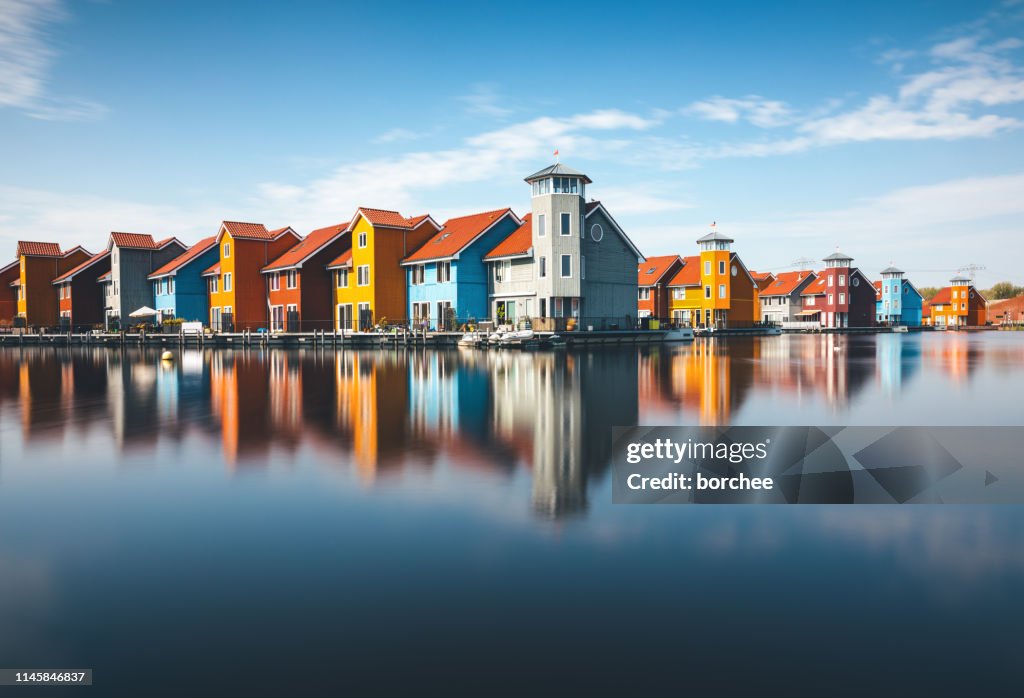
point(167, 356)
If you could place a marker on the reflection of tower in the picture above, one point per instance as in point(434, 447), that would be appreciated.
point(713, 377)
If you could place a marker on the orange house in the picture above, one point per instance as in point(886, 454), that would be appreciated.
point(39, 264)
point(299, 288)
point(959, 305)
point(9, 280)
point(237, 289)
point(652, 284)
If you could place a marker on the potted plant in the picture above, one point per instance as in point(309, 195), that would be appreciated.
point(172, 325)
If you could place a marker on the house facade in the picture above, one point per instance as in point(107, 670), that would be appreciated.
point(897, 301)
point(235, 282)
point(1007, 311)
point(959, 305)
point(841, 296)
point(577, 268)
point(447, 275)
point(299, 284)
point(133, 257)
point(369, 280)
point(9, 282)
point(781, 299)
point(39, 263)
point(652, 278)
point(179, 289)
point(80, 298)
point(715, 288)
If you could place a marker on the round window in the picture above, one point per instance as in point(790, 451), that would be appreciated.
point(596, 232)
point(855, 281)
point(735, 271)
point(972, 294)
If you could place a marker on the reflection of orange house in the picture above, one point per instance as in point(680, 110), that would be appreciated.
point(372, 394)
point(712, 380)
point(958, 305)
point(9, 276)
point(239, 398)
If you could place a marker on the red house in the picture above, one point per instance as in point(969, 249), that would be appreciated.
point(9, 276)
point(652, 285)
point(299, 290)
point(842, 296)
point(80, 298)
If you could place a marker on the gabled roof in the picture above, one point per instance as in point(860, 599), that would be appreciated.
point(519, 243)
point(134, 241)
point(762, 275)
point(815, 288)
point(213, 270)
point(689, 275)
point(253, 231)
point(307, 247)
point(172, 267)
point(342, 260)
point(650, 272)
point(386, 219)
point(735, 259)
point(943, 296)
point(597, 205)
point(417, 221)
point(7, 267)
point(459, 233)
point(558, 169)
point(71, 273)
point(28, 248)
point(786, 282)
point(715, 236)
point(926, 309)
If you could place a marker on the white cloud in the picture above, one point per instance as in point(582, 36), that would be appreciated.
point(765, 113)
point(484, 100)
point(396, 135)
point(26, 58)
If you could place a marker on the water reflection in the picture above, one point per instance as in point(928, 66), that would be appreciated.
point(548, 415)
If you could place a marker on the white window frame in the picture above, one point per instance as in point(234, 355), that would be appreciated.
point(359, 274)
point(447, 275)
point(363, 240)
point(542, 268)
point(342, 275)
point(583, 267)
point(644, 293)
point(721, 267)
point(707, 292)
point(561, 266)
point(291, 279)
point(228, 282)
point(563, 229)
point(707, 268)
point(226, 250)
point(541, 225)
point(275, 281)
point(722, 292)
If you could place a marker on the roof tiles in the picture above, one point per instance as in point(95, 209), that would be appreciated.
point(184, 258)
point(689, 275)
point(456, 234)
point(310, 245)
point(518, 243)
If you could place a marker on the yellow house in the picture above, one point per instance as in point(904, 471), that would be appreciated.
point(714, 289)
point(369, 281)
point(685, 304)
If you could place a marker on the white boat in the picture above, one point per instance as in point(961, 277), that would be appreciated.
point(472, 339)
point(681, 334)
point(899, 328)
point(495, 337)
point(516, 337)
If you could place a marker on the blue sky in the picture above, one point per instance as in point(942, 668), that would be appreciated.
point(891, 132)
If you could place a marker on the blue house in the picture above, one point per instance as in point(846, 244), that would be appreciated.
point(446, 278)
point(178, 287)
point(897, 302)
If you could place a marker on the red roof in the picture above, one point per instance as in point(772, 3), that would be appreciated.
point(212, 271)
point(926, 309)
point(815, 288)
point(343, 260)
point(38, 249)
point(254, 231)
point(689, 275)
point(785, 282)
point(416, 220)
point(456, 234)
point(943, 296)
point(139, 241)
point(651, 271)
point(382, 217)
point(519, 242)
point(310, 245)
point(68, 275)
point(185, 257)
point(761, 275)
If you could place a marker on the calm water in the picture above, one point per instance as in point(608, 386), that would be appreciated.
point(271, 521)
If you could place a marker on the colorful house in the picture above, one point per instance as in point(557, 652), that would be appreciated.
point(781, 299)
point(763, 279)
point(299, 287)
point(841, 296)
point(897, 301)
point(39, 263)
point(80, 299)
point(133, 257)
point(179, 290)
point(1007, 311)
point(447, 276)
point(652, 285)
point(959, 305)
point(235, 283)
point(727, 295)
point(577, 267)
point(369, 281)
point(9, 281)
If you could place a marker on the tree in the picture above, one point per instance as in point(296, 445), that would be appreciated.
point(928, 292)
point(1003, 289)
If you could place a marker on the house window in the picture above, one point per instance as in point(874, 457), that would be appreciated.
point(342, 282)
point(362, 240)
point(810, 300)
point(679, 293)
point(503, 270)
point(830, 299)
point(170, 284)
point(645, 293)
point(227, 250)
point(293, 278)
point(276, 318)
point(842, 299)
point(721, 267)
point(275, 281)
point(721, 290)
point(596, 232)
point(227, 282)
point(214, 283)
point(583, 267)
point(566, 228)
point(417, 274)
point(707, 268)
point(363, 275)
point(292, 308)
point(842, 279)
point(541, 225)
point(345, 316)
point(444, 272)
point(566, 266)
point(707, 292)
point(830, 279)
point(543, 267)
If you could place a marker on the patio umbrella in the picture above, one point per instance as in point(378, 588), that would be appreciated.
point(144, 311)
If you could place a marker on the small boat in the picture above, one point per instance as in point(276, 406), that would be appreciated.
point(681, 334)
point(516, 337)
point(472, 339)
point(940, 328)
point(495, 337)
point(899, 328)
point(555, 341)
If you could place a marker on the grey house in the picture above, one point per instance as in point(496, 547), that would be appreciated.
point(781, 300)
point(133, 257)
point(570, 263)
